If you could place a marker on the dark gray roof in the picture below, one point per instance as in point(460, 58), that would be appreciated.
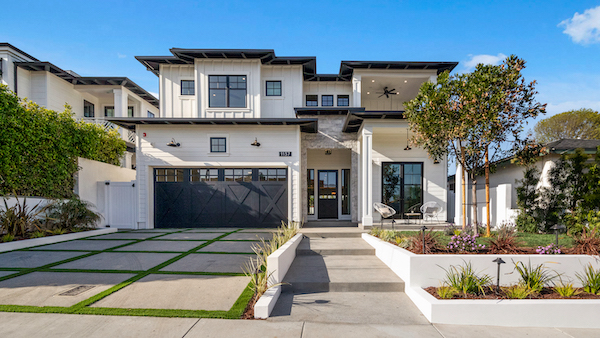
point(307, 125)
point(89, 80)
point(6, 44)
point(571, 144)
point(267, 56)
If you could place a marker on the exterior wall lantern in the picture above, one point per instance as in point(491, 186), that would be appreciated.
point(255, 143)
point(328, 151)
point(173, 143)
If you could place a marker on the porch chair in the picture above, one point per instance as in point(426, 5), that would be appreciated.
point(431, 210)
point(385, 211)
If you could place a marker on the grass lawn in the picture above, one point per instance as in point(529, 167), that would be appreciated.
point(526, 239)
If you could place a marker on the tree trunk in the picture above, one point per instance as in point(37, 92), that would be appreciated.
point(464, 191)
point(487, 192)
point(474, 201)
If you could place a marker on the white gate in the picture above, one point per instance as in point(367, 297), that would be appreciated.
point(120, 204)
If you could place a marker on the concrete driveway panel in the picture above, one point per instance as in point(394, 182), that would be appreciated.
point(173, 246)
point(83, 245)
point(235, 246)
point(209, 263)
point(34, 259)
point(249, 236)
point(134, 261)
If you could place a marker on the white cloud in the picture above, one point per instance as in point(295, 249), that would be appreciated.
point(121, 56)
point(483, 58)
point(154, 94)
point(556, 108)
point(583, 28)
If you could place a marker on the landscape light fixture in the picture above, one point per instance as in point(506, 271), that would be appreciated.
point(173, 143)
point(557, 228)
point(499, 261)
point(423, 228)
point(255, 143)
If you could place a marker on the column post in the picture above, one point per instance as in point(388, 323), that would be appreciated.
point(120, 102)
point(356, 90)
point(367, 177)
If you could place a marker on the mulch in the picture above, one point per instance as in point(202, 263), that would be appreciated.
point(546, 293)
point(249, 311)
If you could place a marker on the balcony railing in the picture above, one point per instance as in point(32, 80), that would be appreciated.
point(126, 134)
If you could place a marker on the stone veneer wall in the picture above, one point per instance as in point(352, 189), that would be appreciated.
point(331, 136)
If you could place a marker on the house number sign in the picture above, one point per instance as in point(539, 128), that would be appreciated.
point(285, 153)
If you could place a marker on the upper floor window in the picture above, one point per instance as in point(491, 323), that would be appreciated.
point(327, 100)
point(130, 111)
point(273, 88)
point(188, 87)
point(312, 100)
point(227, 91)
point(218, 145)
point(88, 109)
point(109, 111)
point(343, 100)
point(150, 114)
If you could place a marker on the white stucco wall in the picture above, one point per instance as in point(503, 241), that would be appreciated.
point(152, 152)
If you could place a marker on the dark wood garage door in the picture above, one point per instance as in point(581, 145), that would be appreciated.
point(211, 197)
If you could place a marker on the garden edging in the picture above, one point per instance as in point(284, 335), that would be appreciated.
point(421, 271)
point(28, 243)
point(278, 264)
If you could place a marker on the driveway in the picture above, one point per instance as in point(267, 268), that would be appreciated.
point(162, 272)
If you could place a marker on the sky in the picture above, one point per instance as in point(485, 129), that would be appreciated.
point(560, 40)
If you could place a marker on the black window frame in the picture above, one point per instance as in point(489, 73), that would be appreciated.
point(132, 109)
point(314, 98)
point(218, 150)
point(310, 191)
point(187, 89)
point(88, 104)
point(401, 211)
point(323, 100)
point(273, 82)
point(346, 97)
point(228, 89)
point(345, 192)
point(106, 108)
point(151, 114)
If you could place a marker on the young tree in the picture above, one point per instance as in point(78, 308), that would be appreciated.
point(574, 124)
point(469, 114)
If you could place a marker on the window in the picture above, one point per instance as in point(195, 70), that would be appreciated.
point(273, 88)
point(343, 100)
point(345, 191)
point(238, 175)
point(227, 91)
point(310, 188)
point(272, 174)
point(327, 100)
point(402, 186)
point(168, 175)
point(204, 175)
point(187, 87)
point(88, 109)
point(150, 114)
point(218, 145)
point(312, 100)
point(109, 111)
point(130, 111)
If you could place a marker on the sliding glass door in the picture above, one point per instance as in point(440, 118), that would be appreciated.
point(402, 186)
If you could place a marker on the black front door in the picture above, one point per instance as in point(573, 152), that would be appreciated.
point(328, 194)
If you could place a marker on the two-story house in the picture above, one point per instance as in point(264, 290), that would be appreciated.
point(92, 99)
point(247, 138)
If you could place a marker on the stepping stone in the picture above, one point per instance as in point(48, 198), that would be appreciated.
point(150, 245)
point(34, 259)
point(126, 235)
point(210, 263)
point(165, 291)
point(45, 288)
point(191, 236)
point(83, 245)
point(235, 246)
point(134, 261)
point(249, 236)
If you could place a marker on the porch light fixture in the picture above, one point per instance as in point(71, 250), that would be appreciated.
point(498, 261)
point(255, 143)
point(407, 146)
point(327, 151)
point(436, 161)
point(173, 143)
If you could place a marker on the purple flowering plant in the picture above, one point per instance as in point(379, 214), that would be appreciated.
point(551, 249)
point(463, 242)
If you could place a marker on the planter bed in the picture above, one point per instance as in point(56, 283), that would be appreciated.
point(424, 271)
point(546, 293)
point(28, 243)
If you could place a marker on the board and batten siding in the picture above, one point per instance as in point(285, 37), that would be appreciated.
point(172, 103)
point(153, 152)
point(326, 88)
point(291, 91)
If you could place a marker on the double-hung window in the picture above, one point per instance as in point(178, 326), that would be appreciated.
point(188, 87)
point(227, 91)
point(312, 100)
point(273, 88)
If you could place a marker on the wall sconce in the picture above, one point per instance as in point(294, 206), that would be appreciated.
point(255, 143)
point(436, 161)
point(327, 151)
point(407, 146)
point(173, 143)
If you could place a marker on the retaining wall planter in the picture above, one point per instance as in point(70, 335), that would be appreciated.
point(421, 271)
point(278, 263)
point(28, 243)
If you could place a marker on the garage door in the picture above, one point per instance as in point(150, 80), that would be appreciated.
point(211, 197)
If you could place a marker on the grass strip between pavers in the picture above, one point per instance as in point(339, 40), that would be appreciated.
point(82, 307)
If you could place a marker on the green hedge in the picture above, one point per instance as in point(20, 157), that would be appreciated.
point(39, 147)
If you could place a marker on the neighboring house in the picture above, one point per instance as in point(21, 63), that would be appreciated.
point(503, 181)
point(92, 99)
point(249, 139)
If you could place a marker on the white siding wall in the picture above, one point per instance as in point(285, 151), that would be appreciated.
point(61, 92)
point(372, 102)
point(24, 83)
point(327, 88)
point(39, 88)
point(194, 151)
point(291, 91)
point(172, 103)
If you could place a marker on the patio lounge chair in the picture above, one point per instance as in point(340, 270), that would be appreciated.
point(385, 211)
point(431, 210)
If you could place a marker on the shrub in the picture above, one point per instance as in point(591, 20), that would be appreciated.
point(565, 289)
point(580, 221)
point(590, 279)
point(505, 242)
point(8, 238)
point(19, 219)
point(464, 243)
point(464, 279)
point(526, 223)
point(71, 214)
point(551, 249)
point(588, 243)
point(451, 229)
point(470, 229)
point(534, 278)
point(403, 241)
point(430, 242)
point(446, 292)
point(518, 291)
point(37, 234)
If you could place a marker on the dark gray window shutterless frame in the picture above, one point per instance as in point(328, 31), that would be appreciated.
point(88, 109)
point(273, 88)
point(345, 191)
point(312, 100)
point(150, 114)
point(327, 100)
point(227, 91)
point(343, 100)
point(310, 189)
point(218, 145)
point(188, 87)
point(130, 111)
point(109, 111)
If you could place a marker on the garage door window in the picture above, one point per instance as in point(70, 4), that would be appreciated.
point(169, 175)
point(204, 175)
point(272, 174)
point(238, 175)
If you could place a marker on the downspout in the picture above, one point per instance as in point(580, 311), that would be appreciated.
point(16, 67)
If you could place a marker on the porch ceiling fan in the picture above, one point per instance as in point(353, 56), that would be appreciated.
point(387, 92)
